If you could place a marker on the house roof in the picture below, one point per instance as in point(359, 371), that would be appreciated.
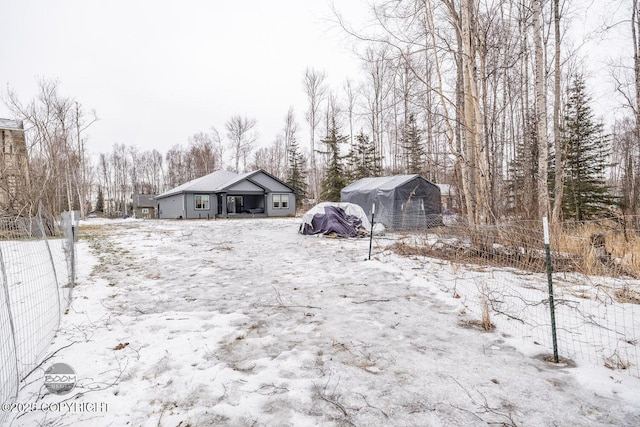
point(10, 124)
point(249, 175)
point(380, 183)
point(240, 178)
point(207, 183)
point(144, 200)
point(218, 181)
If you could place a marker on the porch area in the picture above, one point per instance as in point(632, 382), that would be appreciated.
point(241, 206)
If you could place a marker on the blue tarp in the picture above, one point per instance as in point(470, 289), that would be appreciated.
point(334, 220)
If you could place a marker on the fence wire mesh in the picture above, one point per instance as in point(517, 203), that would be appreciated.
point(498, 272)
point(36, 281)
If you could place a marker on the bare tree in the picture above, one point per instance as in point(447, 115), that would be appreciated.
point(272, 159)
point(55, 127)
point(314, 87)
point(121, 162)
point(352, 99)
point(176, 174)
point(106, 182)
point(558, 192)
point(202, 152)
point(152, 172)
point(289, 136)
point(240, 131)
point(377, 89)
point(83, 170)
point(541, 111)
point(218, 145)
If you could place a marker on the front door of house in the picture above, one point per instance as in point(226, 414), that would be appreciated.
point(234, 204)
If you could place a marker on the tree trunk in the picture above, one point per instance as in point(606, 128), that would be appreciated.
point(635, 30)
point(558, 192)
point(541, 113)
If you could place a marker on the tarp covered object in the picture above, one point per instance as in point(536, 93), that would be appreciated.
point(343, 219)
point(403, 202)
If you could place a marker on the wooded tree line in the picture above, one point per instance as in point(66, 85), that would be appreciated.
point(485, 95)
point(494, 96)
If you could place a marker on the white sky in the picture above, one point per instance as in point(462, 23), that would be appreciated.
point(157, 72)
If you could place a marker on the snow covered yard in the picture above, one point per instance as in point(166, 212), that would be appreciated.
point(247, 322)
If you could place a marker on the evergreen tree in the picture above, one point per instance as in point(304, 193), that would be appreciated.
point(335, 179)
point(100, 201)
point(521, 200)
point(297, 174)
point(586, 194)
point(361, 159)
point(413, 148)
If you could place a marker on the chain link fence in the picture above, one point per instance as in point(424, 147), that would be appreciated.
point(498, 273)
point(37, 270)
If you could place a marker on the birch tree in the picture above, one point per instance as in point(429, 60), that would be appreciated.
point(242, 136)
point(55, 127)
point(289, 135)
point(541, 112)
point(560, 154)
point(315, 89)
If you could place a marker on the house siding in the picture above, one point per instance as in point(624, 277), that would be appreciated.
point(290, 211)
point(245, 187)
point(270, 183)
point(201, 213)
point(171, 207)
point(138, 212)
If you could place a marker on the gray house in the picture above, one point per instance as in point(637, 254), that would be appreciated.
point(225, 194)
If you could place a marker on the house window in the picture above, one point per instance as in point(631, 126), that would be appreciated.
point(145, 210)
point(281, 201)
point(202, 202)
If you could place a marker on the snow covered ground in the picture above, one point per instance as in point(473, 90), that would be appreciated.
point(247, 322)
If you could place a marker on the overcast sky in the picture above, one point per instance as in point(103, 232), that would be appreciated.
point(159, 71)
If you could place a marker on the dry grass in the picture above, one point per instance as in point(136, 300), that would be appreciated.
point(617, 257)
point(628, 296)
point(601, 248)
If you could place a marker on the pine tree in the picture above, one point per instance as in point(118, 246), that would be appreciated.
point(413, 148)
point(297, 174)
point(361, 159)
point(335, 179)
point(523, 169)
point(586, 194)
point(100, 201)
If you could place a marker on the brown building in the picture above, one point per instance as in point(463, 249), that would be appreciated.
point(144, 206)
point(14, 170)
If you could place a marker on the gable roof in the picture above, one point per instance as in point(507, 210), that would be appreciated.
point(249, 175)
point(219, 181)
point(144, 200)
point(205, 183)
point(240, 178)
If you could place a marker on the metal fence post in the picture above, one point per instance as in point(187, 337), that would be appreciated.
point(373, 214)
point(552, 308)
point(73, 249)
